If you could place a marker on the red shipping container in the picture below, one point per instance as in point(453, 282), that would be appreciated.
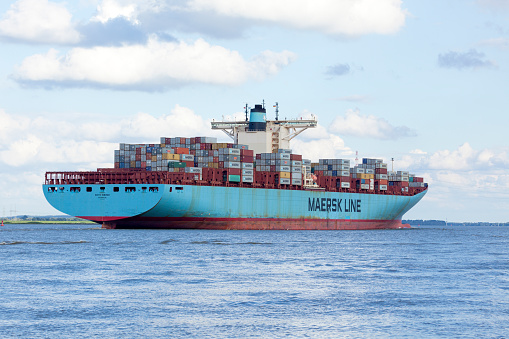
point(234, 171)
point(247, 152)
point(296, 157)
point(259, 156)
point(381, 170)
point(246, 158)
point(138, 157)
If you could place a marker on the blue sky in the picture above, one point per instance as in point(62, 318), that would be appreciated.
point(423, 82)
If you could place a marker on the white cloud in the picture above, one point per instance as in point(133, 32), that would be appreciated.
point(465, 158)
point(342, 17)
point(317, 143)
point(25, 141)
point(154, 66)
point(112, 9)
point(356, 124)
point(329, 146)
point(38, 21)
point(464, 171)
point(418, 151)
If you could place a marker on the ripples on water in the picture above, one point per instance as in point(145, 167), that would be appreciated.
point(76, 281)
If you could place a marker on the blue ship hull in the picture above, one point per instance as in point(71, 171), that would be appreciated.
point(218, 207)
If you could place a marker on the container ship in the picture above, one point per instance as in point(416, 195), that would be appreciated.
point(253, 183)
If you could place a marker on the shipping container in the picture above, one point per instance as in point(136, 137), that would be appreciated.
point(285, 181)
point(234, 178)
point(247, 178)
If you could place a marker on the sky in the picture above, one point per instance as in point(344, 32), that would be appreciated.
point(425, 83)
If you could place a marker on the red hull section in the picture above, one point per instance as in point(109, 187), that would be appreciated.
point(254, 224)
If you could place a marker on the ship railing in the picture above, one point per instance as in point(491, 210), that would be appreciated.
point(161, 177)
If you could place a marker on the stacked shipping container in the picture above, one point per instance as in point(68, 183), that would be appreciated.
point(203, 158)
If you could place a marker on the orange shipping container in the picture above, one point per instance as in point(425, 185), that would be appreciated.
point(181, 150)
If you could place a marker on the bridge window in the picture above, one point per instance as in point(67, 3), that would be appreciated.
point(89, 189)
point(179, 188)
point(75, 189)
point(116, 189)
point(52, 189)
point(130, 189)
point(154, 189)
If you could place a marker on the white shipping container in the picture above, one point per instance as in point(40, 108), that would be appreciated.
point(345, 185)
point(283, 156)
point(247, 172)
point(345, 174)
point(284, 181)
point(233, 151)
point(297, 182)
point(193, 169)
point(297, 169)
point(247, 178)
point(184, 157)
point(233, 164)
point(383, 187)
point(248, 165)
point(296, 163)
point(365, 186)
point(382, 176)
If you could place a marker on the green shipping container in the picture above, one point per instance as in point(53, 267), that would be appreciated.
point(234, 177)
point(176, 164)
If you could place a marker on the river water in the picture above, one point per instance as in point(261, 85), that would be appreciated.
point(71, 281)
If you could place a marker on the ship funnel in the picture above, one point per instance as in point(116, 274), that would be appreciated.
point(257, 119)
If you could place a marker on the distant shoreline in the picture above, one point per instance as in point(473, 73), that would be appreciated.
point(449, 223)
point(21, 222)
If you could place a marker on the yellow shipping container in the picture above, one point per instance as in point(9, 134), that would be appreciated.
point(154, 158)
point(365, 176)
point(284, 175)
point(173, 156)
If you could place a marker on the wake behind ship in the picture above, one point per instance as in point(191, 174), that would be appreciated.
point(255, 182)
